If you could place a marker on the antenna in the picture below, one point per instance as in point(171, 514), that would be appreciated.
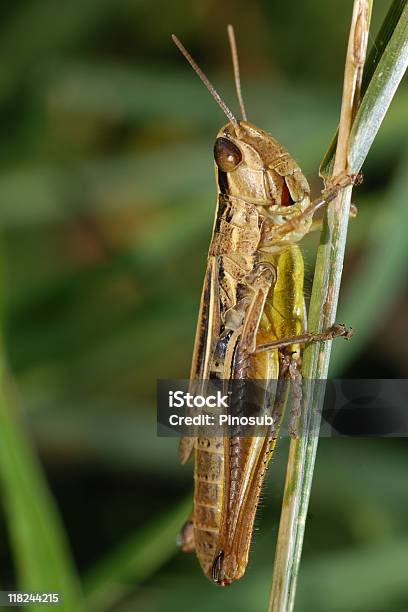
point(235, 63)
point(206, 82)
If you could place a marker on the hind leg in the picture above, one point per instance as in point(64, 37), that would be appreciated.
point(185, 537)
point(336, 331)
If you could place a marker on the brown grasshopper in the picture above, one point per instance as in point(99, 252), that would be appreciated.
point(251, 322)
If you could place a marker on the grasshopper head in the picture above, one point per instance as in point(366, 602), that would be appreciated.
point(252, 166)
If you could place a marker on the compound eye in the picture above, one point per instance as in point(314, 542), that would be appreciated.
point(226, 154)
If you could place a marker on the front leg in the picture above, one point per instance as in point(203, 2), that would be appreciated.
point(272, 234)
point(336, 331)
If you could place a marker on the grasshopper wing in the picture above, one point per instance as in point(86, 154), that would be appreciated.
point(205, 340)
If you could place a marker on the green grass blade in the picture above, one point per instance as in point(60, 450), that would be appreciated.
point(379, 93)
point(383, 72)
point(41, 555)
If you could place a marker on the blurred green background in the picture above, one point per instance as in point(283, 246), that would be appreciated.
point(107, 202)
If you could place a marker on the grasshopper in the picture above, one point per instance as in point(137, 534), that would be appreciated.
point(251, 322)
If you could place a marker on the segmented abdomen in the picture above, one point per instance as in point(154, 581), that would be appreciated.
point(208, 493)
